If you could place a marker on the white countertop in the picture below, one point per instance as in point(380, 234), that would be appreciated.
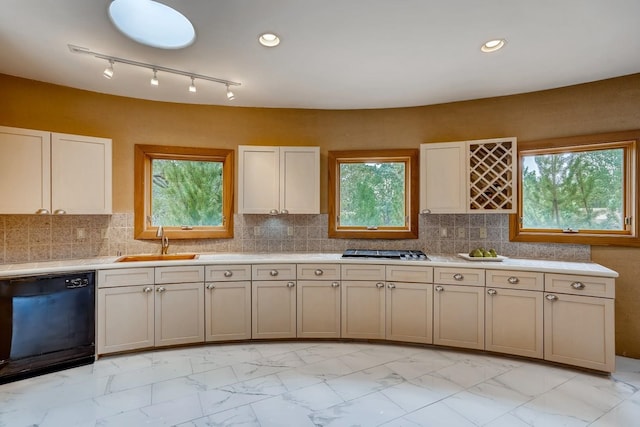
point(103, 263)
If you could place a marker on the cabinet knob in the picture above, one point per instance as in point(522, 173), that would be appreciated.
point(379, 285)
point(284, 211)
point(273, 273)
point(228, 273)
point(42, 211)
point(391, 286)
point(458, 276)
point(335, 284)
point(439, 288)
point(318, 272)
point(147, 289)
point(551, 297)
point(210, 286)
point(492, 292)
point(425, 211)
point(513, 280)
point(290, 284)
point(273, 212)
point(577, 285)
point(59, 212)
point(161, 289)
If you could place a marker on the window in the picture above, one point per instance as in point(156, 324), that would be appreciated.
point(578, 190)
point(187, 191)
point(373, 194)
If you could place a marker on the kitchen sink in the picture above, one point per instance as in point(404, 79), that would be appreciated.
point(156, 257)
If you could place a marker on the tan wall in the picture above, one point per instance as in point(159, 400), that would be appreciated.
point(605, 106)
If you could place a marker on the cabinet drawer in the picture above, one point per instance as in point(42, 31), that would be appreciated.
point(458, 276)
point(273, 272)
point(318, 271)
point(409, 273)
point(125, 277)
point(179, 274)
point(362, 272)
point(580, 285)
point(513, 279)
point(227, 273)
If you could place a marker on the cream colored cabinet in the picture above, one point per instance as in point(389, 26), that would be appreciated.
point(48, 172)
point(469, 176)
point(363, 301)
point(227, 303)
point(278, 180)
point(318, 301)
point(409, 304)
point(458, 316)
point(273, 301)
point(579, 330)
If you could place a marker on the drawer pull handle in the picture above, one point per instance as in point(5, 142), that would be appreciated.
point(439, 289)
point(379, 285)
point(492, 292)
point(391, 286)
point(147, 289)
point(458, 276)
point(335, 284)
point(161, 289)
point(577, 285)
point(551, 297)
point(210, 286)
point(318, 272)
point(290, 284)
point(513, 280)
point(228, 273)
point(273, 273)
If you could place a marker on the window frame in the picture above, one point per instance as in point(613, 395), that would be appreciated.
point(143, 157)
point(410, 157)
point(628, 140)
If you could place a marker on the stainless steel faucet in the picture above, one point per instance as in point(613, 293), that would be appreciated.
point(164, 240)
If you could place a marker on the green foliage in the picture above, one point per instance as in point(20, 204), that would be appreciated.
point(372, 194)
point(187, 193)
point(580, 190)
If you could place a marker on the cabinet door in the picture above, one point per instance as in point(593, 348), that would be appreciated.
point(179, 313)
point(458, 316)
point(80, 174)
point(443, 172)
point(579, 331)
point(514, 322)
point(125, 318)
point(300, 180)
point(258, 179)
point(318, 313)
point(25, 174)
point(228, 311)
point(363, 309)
point(273, 313)
point(409, 314)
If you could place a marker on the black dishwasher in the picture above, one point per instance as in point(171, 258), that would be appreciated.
point(47, 323)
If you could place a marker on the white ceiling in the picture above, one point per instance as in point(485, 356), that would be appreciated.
point(335, 54)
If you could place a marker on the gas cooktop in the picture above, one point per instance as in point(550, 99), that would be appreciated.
point(392, 254)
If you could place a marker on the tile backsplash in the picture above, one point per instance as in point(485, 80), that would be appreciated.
point(29, 238)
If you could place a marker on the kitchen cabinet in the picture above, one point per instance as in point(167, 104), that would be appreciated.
point(278, 180)
point(227, 303)
point(458, 309)
point(578, 328)
point(409, 304)
point(273, 301)
point(469, 176)
point(318, 301)
point(45, 172)
point(363, 301)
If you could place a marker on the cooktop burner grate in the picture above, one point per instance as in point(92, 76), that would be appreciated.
point(407, 255)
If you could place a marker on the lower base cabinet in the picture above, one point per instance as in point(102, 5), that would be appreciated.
point(363, 309)
point(273, 309)
point(409, 312)
point(179, 314)
point(227, 311)
point(458, 316)
point(318, 309)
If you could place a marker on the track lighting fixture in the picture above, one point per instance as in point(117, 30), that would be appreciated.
point(108, 72)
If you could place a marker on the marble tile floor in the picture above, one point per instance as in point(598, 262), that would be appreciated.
point(322, 384)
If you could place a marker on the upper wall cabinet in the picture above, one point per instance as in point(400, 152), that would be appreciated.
point(278, 180)
point(469, 176)
point(45, 172)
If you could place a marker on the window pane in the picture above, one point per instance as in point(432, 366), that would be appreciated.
point(186, 193)
point(372, 194)
point(578, 190)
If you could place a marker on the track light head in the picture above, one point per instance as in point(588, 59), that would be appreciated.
point(154, 80)
point(230, 95)
point(108, 72)
point(192, 86)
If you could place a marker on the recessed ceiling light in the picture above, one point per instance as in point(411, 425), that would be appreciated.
point(152, 23)
point(269, 40)
point(493, 45)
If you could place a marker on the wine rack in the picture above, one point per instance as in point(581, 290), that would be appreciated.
point(492, 175)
